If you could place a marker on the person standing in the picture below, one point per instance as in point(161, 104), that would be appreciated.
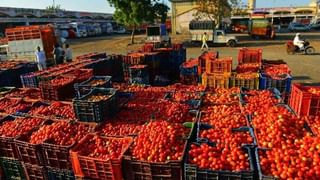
point(68, 52)
point(41, 59)
point(204, 41)
point(58, 54)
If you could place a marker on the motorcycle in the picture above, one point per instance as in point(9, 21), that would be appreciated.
point(292, 49)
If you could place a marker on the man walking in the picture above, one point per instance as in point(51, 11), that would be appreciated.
point(204, 41)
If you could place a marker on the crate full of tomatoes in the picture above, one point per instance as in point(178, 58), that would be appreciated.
point(96, 81)
point(91, 158)
point(53, 110)
point(59, 88)
point(11, 128)
point(160, 146)
point(247, 80)
point(97, 105)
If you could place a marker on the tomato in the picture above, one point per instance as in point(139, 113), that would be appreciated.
point(19, 126)
point(55, 109)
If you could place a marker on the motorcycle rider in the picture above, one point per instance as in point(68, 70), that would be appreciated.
point(298, 42)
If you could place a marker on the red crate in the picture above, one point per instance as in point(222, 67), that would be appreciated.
point(134, 59)
point(58, 156)
point(220, 65)
point(303, 102)
point(34, 172)
point(247, 55)
point(202, 60)
point(148, 47)
point(97, 168)
point(50, 91)
point(135, 169)
point(81, 74)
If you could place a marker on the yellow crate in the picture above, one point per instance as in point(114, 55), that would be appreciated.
point(216, 80)
point(251, 83)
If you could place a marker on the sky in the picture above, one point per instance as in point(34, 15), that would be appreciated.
point(104, 7)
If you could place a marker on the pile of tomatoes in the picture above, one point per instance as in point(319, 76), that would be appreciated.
point(55, 109)
point(277, 70)
point(314, 123)
point(103, 148)
point(18, 126)
point(160, 141)
point(247, 75)
point(60, 133)
point(227, 97)
point(11, 106)
point(25, 93)
point(248, 68)
point(220, 157)
point(62, 81)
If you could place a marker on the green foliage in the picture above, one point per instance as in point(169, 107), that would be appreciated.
point(54, 7)
point(132, 13)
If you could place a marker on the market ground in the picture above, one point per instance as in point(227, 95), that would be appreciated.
point(305, 69)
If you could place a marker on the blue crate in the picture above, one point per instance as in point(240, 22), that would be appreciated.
point(283, 85)
point(88, 111)
point(84, 88)
point(188, 71)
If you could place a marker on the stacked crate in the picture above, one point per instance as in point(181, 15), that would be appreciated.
point(218, 72)
point(130, 60)
point(139, 74)
point(247, 72)
point(189, 72)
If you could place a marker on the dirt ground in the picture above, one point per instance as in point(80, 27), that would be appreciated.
point(305, 69)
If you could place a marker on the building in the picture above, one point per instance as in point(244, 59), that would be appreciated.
point(183, 11)
point(24, 16)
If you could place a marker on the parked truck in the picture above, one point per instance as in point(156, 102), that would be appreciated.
point(158, 34)
point(198, 28)
point(23, 41)
point(260, 27)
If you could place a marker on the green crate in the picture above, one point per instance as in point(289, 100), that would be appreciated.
point(12, 168)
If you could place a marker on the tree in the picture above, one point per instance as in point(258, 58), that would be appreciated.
point(161, 11)
point(132, 13)
point(215, 10)
point(54, 8)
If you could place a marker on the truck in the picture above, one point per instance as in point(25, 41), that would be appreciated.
point(157, 34)
point(23, 41)
point(260, 27)
point(198, 28)
point(80, 29)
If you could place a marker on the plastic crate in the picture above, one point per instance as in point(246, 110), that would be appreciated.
point(89, 111)
point(251, 83)
point(216, 80)
point(204, 58)
point(189, 79)
point(192, 172)
point(51, 92)
point(35, 172)
point(303, 102)
point(139, 74)
point(147, 47)
point(12, 168)
point(81, 74)
point(5, 90)
point(189, 67)
point(134, 58)
point(96, 168)
point(258, 166)
point(135, 169)
point(282, 84)
point(7, 144)
point(86, 86)
point(60, 174)
point(247, 55)
point(29, 153)
point(219, 65)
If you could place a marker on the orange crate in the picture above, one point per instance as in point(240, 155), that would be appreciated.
point(97, 168)
point(216, 80)
point(247, 55)
point(134, 58)
point(205, 57)
point(221, 65)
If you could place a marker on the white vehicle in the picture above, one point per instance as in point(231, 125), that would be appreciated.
point(106, 28)
point(80, 29)
point(198, 28)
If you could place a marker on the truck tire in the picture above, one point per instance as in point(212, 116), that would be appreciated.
point(232, 43)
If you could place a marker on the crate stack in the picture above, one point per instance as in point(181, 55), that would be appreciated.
point(276, 74)
point(131, 59)
point(189, 72)
point(247, 72)
point(218, 72)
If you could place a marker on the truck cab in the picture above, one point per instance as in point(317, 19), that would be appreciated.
point(157, 34)
point(198, 28)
